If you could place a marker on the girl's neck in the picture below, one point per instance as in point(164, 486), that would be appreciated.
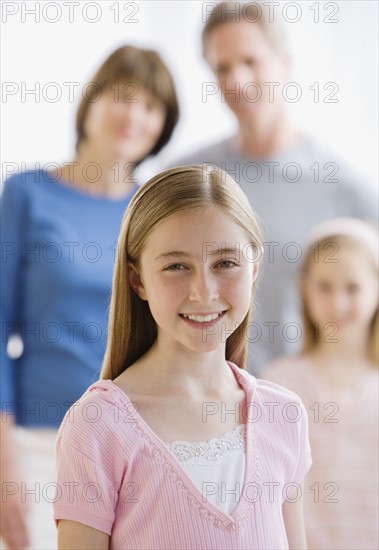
point(340, 374)
point(347, 345)
point(180, 372)
point(342, 362)
point(99, 175)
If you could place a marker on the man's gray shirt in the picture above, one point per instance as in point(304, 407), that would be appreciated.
point(290, 192)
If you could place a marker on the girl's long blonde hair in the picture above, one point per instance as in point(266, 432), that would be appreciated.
point(132, 329)
point(311, 332)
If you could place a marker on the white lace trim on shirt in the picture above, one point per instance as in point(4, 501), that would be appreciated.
point(205, 452)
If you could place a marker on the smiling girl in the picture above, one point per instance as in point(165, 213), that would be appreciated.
point(178, 446)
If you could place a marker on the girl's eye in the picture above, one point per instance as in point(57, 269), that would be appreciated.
point(174, 267)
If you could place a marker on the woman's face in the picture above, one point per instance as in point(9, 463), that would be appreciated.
point(125, 123)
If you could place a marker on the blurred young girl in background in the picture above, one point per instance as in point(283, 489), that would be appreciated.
point(336, 375)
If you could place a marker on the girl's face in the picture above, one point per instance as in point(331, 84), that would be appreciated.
point(126, 122)
point(197, 272)
point(344, 292)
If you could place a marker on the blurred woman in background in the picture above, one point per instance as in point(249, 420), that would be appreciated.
point(60, 231)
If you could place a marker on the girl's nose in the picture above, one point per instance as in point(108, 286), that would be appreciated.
point(339, 302)
point(203, 289)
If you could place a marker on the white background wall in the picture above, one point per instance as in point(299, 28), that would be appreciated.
point(41, 51)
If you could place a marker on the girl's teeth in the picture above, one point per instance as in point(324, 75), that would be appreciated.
point(203, 318)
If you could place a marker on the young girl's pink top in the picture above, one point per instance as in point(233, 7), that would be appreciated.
point(116, 475)
point(341, 488)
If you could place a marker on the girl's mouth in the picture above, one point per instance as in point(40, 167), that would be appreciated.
point(201, 320)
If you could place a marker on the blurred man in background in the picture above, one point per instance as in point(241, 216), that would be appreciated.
point(291, 181)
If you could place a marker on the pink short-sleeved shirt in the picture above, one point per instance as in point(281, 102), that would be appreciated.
point(116, 475)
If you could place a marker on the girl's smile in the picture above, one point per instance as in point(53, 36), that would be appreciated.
point(199, 320)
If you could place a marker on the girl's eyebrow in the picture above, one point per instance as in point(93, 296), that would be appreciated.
point(175, 253)
point(212, 252)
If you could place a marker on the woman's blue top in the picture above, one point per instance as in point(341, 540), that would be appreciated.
point(58, 253)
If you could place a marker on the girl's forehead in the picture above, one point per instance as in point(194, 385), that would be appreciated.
point(200, 223)
point(348, 252)
point(341, 262)
point(193, 231)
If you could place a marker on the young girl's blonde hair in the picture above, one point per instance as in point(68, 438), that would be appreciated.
point(354, 234)
point(132, 329)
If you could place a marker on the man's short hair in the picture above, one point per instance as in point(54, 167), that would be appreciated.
point(251, 12)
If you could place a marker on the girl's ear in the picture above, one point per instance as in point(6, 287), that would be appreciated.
point(135, 281)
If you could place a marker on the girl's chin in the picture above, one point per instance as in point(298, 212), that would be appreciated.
point(333, 331)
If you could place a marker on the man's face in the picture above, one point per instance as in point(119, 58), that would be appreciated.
point(247, 68)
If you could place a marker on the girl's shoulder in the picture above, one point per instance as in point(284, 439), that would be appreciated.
point(268, 390)
point(93, 441)
point(280, 396)
point(280, 417)
point(99, 391)
point(98, 414)
point(289, 363)
point(287, 369)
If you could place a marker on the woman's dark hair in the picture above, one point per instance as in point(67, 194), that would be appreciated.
point(138, 66)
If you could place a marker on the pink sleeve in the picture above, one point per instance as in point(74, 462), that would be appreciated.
point(84, 492)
